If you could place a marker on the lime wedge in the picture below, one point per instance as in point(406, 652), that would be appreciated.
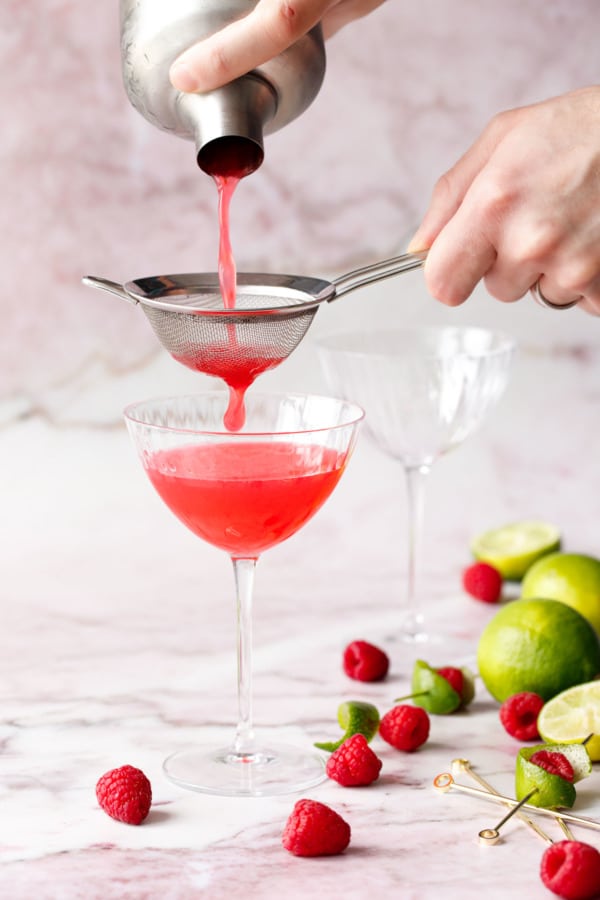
point(354, 717)
point(431, 691)
point(551, 791)
point(512, 549)
point(570, 717)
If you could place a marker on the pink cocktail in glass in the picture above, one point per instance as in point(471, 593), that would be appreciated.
point(244, 492)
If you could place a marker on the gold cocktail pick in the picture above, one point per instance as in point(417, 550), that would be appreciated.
point(492, 835)
point(463, 765)
point(445, 782)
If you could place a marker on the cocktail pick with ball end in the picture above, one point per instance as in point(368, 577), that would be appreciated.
point(463, 765)
point(444, 782)
point(489, 836)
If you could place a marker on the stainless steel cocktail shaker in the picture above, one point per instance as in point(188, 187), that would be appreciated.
point(155, 32)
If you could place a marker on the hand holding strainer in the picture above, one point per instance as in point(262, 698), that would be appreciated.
point(271, 316)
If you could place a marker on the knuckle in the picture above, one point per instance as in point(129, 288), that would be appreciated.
point(285, 21)
point(539, 241)
point(495, 199)
point(445, 191)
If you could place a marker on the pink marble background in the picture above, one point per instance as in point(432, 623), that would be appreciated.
point(88, 186)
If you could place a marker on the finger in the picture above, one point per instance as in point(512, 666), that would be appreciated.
point(453, 185)
point(509, 278)
point(458, 259)
point(271, 27)
point(508, 283)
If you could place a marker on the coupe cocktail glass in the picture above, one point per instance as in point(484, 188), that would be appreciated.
point(424, 390)
point(244, 492)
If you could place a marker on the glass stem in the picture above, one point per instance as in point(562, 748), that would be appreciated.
point(415, 491)
point(244, 583)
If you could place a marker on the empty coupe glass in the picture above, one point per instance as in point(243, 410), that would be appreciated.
point(424, 390)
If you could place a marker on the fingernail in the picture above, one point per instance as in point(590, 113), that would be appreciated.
point(182, 78)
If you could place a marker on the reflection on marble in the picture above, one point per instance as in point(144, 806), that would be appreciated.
point(117, 647)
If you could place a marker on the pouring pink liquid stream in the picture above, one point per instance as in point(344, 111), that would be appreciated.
point(227, 172)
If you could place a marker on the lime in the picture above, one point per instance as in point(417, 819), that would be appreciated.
point(542, 646)
point(354, 717)
point(572, 578)
point(551, 791)
point(572, 716)
point(431, 691)
point(514, 548)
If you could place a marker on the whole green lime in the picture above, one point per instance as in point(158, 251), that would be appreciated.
point(572, 578)
point(542, 646)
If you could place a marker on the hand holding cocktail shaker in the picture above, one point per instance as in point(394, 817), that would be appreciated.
point(155, 32)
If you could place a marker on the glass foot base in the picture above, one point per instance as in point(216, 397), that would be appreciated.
point(268, 772)
point(414, 630)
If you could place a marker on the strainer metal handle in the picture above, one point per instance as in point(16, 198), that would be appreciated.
point(377, 272)
point(104, 284)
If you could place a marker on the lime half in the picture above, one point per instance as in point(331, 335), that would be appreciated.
point(572, 716)
point(512, 549)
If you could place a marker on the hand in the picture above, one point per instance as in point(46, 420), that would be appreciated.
point(271, 27)
point(523, 203)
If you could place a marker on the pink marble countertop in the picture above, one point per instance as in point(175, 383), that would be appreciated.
point(116, 643)
point(117, 647)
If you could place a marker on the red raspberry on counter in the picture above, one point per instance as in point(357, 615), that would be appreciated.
point(554, 762)
point(405, 727)
point(314, 829)
point(454, 677)
point(365, 662)
point(125, 794)
point(571, 869)
point(519, 714)
point(483, 582)
point(354, 764)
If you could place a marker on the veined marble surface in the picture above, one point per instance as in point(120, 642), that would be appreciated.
point(117, 646)
point(116, 643)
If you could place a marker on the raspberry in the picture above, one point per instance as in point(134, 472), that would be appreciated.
point(125, 794)
point(354, 763)
point(405, 727)
point(519, 714)
point(483, 582)
point(553, 762)
point(365, 662)
point(454, 677)
point(571, 869)
point(314, 829)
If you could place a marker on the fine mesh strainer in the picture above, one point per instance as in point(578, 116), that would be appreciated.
point(271, 316)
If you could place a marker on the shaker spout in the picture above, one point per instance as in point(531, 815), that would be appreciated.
point(230, 118)
point(227, 124)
